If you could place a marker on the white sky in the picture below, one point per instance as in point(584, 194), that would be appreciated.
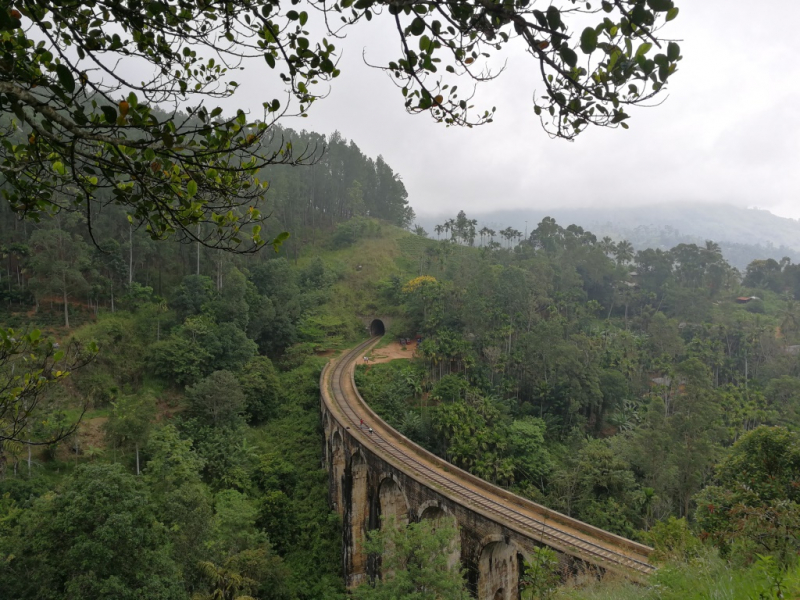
point(728, 132)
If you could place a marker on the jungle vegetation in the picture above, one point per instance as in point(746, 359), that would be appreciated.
point(173, 445)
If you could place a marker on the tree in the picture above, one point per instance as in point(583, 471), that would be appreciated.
point(183, 502)
point(414, 563)
point(527, 447)
point(95, 538)
point(216, 400)
point(261, 388)
point(58, 262)
point(624, 252)
point(130, 422)
point(755, 506)
point(80, 131)
point(30, 366)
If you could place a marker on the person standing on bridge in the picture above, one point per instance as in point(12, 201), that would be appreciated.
point(370, 430)
point(362, 423)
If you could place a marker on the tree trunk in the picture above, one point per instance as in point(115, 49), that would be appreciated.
point(66, 309)
point(137, 458)
point(130, 255)
point(198, 249)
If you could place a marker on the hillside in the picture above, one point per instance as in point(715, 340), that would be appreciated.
point(543, 368)
point(743, 234)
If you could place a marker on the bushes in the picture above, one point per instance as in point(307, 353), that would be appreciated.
point(349, 232)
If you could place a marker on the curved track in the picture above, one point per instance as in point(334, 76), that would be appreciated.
point(529, 519)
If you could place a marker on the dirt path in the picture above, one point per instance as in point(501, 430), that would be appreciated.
point(392, 351)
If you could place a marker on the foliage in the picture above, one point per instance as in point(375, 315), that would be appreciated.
point(541, 575)
point(415, 563)
point(260, 385)
point(217, 400)
point(705, 577)
point(30, 365)
point(95, 538)
point(673, 540)
point(78, 131)
point(754, 506)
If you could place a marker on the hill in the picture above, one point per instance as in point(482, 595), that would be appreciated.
point(744, 234)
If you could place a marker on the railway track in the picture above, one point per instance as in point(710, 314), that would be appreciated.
point(527, 518)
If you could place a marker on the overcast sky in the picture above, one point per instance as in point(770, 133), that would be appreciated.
point(728, 132)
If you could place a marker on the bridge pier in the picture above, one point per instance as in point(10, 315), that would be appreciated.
point(368, 494)
point(382, 474)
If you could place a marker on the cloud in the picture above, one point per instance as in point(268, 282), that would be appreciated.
point(727, 132)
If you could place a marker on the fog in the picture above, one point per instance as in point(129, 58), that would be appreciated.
point(727, 132)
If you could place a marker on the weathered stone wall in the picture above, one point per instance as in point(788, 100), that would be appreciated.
point(370, 488)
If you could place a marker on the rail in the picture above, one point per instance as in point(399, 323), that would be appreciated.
point(527, 518)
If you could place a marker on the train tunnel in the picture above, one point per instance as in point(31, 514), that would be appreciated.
point(377, 328)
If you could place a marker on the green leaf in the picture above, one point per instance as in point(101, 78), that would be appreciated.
point(643, 49)
point(553, 17)
point(65, 78)
point(673, 51)
point(110, 113)
point(270, 60)
point(568, 55)
point(540, 18)
point(613, 60)
point(588, 40)
point(660, 5)
point(191, 188)
point(672, 13)
point(417, 26)
point(279, 239)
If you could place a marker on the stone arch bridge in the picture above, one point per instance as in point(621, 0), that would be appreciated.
point(384, 474)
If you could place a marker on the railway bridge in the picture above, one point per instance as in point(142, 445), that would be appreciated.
point(384, 474)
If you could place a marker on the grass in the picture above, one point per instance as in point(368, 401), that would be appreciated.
point(705, 578)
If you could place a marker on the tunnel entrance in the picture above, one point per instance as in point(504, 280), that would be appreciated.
point(377, 328)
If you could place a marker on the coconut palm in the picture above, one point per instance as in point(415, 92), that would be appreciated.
point(624, 252)
point(608, 246)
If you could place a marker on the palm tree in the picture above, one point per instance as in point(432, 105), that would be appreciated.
point(624, 252)
point(484, 232)
point(713, 247)
point(451, 227)
point(438, 229)
point(608, 246)
point(473, 223)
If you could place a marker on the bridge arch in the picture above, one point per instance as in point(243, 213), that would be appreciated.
point(376, 327)
point(498, 569)
point(432, 510)
point(392, 501)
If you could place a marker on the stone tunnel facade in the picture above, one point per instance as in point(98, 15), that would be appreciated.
point(363, 488)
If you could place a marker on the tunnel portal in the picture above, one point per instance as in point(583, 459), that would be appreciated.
point(377, 327)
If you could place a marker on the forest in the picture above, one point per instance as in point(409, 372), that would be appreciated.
point(175, 274)
point(651, 393)
point(180, 457)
